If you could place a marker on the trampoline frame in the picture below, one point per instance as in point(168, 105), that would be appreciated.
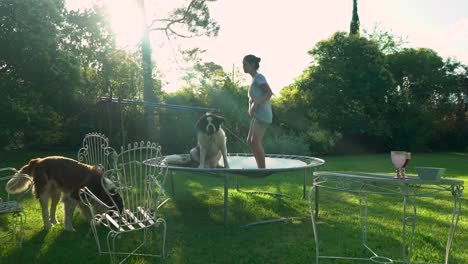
point(311, 164)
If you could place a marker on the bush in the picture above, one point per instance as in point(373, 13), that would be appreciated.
point(279, 141)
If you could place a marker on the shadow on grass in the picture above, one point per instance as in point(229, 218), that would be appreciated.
point(60, 246)
point(196, 232)
point(208, 195)
point(385, 224)
point(198, 206)
point(57, 246)
point(196, 224)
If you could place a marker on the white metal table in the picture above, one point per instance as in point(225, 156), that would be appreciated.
point(365, 183)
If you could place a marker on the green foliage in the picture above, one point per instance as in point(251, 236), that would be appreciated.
point(88, 36)
point(349, 86)
point(55, 65)
point(279, 141)
point(354, 25)
point(215, 90)
point(177, 128)
point(354, 98)
point(422, 99)
point(191, 20)
point(386, 40)
point(293, 114)
point(37, 74)
point(358, 94)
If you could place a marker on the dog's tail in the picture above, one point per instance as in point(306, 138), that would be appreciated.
point(21, 181)
point(18, 183)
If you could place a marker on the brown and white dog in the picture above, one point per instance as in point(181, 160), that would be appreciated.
point(55, 175)
point(211, 142)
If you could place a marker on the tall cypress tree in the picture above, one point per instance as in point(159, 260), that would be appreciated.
point(354, 27)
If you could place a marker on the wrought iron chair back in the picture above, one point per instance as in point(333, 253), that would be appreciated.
point(95, 150)
point(141, 188)
point(10, 206)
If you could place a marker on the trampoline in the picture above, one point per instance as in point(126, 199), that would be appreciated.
point(243, 164)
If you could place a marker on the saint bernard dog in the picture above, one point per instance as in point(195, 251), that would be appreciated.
point(211, 142)
point(55, 175)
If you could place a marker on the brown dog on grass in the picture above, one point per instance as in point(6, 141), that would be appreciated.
point(55, 175)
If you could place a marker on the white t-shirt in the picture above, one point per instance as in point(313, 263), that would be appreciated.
point(256, 92)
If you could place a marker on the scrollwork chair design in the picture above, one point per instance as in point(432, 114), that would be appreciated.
point(141, 189)
point(96, 151)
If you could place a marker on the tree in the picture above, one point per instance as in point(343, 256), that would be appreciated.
point(35, 75)
point(454, 108)
point(304, 128)
point(425, 100)
point(188, 21)
point(387, 41)
point(354, 26)
point(45, 54)
point(212, 88)
point(347, 87)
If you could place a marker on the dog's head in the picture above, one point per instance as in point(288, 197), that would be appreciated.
point(114, 196)
point(106, 191)
point(209, 123)
point(29, 168)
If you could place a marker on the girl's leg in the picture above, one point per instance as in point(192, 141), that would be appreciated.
point(250, 139)
point(255, 137)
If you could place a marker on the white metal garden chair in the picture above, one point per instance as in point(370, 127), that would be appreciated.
point(141, 189)
point(96, 151)
point(12, 228)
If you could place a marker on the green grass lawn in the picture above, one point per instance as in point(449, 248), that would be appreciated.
point(196, 232)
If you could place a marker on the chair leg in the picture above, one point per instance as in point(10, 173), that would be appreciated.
point(96, 237)
point(17, 233)
point(163, 253)
point(22, 220)
point(111, 245)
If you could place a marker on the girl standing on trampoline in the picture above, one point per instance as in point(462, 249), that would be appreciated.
point(259, 108)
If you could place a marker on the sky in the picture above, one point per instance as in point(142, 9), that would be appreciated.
point(282, 32)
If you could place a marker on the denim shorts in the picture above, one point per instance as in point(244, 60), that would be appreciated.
point(260, 122)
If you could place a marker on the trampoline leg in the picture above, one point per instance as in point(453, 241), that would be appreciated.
point(171, 179)
point(316, 202)
point(304, 184)
point(226, 197)
point(316, 195)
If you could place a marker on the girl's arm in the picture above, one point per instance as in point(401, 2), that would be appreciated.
point(268, 94)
